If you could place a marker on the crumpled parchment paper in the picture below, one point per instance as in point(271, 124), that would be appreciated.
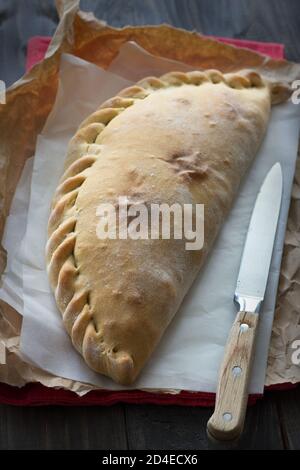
point(33, 96)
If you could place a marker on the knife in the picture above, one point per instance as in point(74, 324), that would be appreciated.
point(227, 421)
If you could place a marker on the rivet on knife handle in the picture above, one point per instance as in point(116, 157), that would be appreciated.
point(227, 422)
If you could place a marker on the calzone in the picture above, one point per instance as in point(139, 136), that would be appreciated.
point(185, 138)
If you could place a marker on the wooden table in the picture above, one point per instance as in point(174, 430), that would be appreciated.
point(274, 423)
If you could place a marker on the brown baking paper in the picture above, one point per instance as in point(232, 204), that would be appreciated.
point(28, 104)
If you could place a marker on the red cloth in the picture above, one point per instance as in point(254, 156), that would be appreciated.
point(37, 394)
point(36, 50)
point(271, 49)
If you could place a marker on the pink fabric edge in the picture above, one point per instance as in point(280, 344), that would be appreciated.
point(271, 49)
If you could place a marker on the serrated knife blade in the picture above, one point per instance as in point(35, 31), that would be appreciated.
point(227, 422)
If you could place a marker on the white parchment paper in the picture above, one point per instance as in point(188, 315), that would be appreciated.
point(190, 352)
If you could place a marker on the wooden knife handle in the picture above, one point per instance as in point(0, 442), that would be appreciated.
point(227, 422)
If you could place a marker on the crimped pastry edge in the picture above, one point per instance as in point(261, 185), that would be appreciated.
point(83, 152)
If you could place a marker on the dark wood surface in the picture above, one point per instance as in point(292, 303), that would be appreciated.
point(274, 422)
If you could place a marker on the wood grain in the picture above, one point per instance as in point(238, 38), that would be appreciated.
point(274, 422)
point(20, 20)
point(227, 421)
point(176, 428)
point(289, 413)
point(62, 428)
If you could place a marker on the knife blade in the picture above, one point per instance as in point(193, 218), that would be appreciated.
point(257, 254)
point(228, 418)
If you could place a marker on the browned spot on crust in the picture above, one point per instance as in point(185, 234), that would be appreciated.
point(183, 101)
point(116, 293)
point(189, 165)
point(135, 176)
point(134, 297)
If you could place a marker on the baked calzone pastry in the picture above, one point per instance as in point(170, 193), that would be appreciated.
point(186, 138)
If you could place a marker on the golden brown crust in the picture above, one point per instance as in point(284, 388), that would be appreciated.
point(108, 340)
